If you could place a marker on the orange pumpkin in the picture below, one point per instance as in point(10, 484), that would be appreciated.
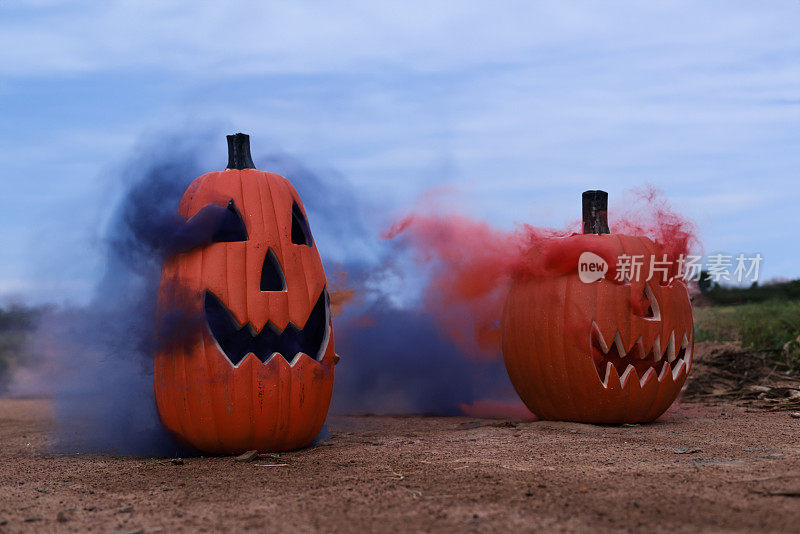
point(605, 351)
point(259, 374)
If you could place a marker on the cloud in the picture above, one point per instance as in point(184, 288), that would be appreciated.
point(210, 39)
point(521, 105)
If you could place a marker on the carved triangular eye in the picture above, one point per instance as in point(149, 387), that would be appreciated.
point(272, 278)
point(231, 227)
point(301, 233)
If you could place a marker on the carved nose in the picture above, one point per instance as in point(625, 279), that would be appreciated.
point(272, 278)
point(647, 308)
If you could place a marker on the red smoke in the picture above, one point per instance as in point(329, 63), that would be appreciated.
point(472, 266)
point(472, 263)
point(497, 409)
point(340, 294)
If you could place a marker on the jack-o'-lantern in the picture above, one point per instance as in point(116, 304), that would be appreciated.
point(601, 348)
point(260, 373)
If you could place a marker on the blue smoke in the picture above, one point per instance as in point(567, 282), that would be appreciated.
point(393, 358)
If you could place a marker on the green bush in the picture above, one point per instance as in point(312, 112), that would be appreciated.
point(723, 295)
point(771, 327)
point(16, 323)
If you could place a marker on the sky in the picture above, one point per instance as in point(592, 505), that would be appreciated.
point(517, 106)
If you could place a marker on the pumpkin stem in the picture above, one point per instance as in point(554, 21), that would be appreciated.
point(595, 212)
point(239, 152)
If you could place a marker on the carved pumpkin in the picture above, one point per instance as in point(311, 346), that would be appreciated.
point(606, 351)
point(259, 374)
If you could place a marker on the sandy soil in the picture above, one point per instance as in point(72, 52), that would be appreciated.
point(709, 468)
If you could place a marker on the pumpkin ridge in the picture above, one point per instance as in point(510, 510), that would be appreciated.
point(529, 360)
point(182, 390)
point(277, 248)
point(623, 318)
point(564, 339)
point(298, 250)
point(204, 352)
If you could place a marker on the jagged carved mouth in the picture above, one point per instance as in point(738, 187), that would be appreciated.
point(639, 362)
point(237, 341)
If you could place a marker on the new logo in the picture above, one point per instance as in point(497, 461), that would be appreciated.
point(591, 267)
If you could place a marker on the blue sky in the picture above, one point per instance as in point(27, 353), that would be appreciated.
point(519, 105)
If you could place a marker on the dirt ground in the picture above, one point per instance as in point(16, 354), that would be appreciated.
point(702, 467)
